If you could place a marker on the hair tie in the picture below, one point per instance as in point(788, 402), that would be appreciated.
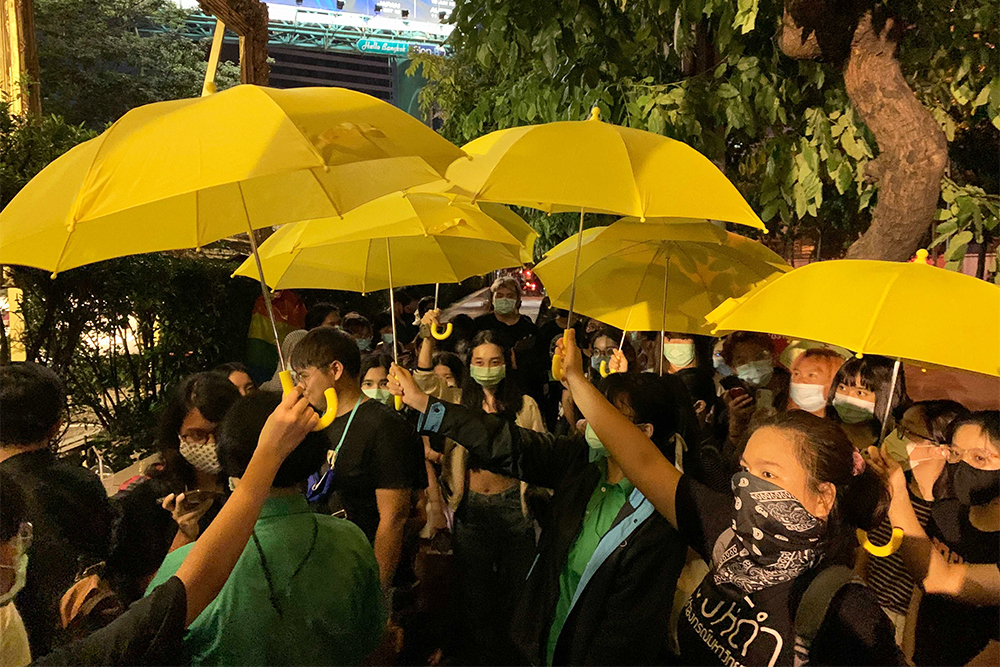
point(859, 463)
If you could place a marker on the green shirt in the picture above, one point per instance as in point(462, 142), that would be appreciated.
point(331, 611)
point(604, 505)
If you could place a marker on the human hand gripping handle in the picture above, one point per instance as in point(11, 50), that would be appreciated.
point(402, 386)
point(432, 319)
point(330, 395)
point(643, 464)
point(890, 470)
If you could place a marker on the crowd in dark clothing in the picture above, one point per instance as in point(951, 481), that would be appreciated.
point(670, 499)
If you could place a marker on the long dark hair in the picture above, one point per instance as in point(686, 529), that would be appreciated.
point(212, 395)
point(828, 456)
point(508, 396)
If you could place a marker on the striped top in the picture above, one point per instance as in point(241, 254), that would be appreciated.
point(888, 577)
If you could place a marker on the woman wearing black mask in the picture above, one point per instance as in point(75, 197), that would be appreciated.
point(956, 560)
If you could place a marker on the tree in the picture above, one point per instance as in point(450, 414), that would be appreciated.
point(100, 58)
point(785, 130)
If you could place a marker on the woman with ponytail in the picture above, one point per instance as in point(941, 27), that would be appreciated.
point(801, 494)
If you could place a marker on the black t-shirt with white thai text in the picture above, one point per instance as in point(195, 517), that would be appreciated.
point(717, 628)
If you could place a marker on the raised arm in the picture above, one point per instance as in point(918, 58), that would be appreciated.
point(640, 460)
point(206, 569)
point(977, 584)
point(496, 444)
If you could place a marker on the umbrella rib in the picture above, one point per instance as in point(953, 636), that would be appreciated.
point(645, 273)
point(309, 144)
point(701, 278)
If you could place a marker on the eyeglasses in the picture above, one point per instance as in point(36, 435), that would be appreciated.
point(906, 434)
point(197, 437)
point(984, 459)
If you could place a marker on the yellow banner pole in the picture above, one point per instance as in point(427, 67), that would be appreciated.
point(213, 59)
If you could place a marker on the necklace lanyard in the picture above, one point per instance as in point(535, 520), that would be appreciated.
point(343, 436)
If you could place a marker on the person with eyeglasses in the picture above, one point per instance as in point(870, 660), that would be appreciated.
point(956, 560)
point(66, 503)
point(15, 538)
point(306, 589)
point(918, 443)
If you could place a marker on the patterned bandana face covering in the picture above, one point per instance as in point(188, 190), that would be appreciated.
point(773, 538)
point(203, 457)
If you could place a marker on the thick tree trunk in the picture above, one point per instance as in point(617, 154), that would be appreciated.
point(913, 151)
point(248, 19)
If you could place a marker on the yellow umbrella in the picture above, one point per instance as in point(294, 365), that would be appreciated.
point(184, 173)
point(395, 240)
point(590, 166)
point(656, 277)
point(874, 307)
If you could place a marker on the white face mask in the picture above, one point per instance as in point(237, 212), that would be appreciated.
point(809, 397)
point(679, 354)
point(204, 457)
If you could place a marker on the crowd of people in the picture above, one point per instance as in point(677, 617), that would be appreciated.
point(671, 499)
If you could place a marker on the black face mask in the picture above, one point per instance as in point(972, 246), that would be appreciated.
point(973, 486)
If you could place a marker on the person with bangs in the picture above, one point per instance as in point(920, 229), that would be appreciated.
point(607, 563)
point(919, 444)
point(812, 374)
point(956, 559)
point(756, 385)
point(861, 393)
point(781, 543)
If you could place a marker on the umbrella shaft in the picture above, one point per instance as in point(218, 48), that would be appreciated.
point(437, 289)
point(888, 403)
point(267, 295)
point(576, 272)
point(663, 314)
point(392, 303)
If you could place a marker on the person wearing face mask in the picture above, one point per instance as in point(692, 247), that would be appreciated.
point(603, 343)
point(756, 386)
point(494, 537)
point(359, 329)
point(517, 333)
point(861, 394)
point(374, 378)
point(15, 538)
point(65, 503)
point(956, 560)
point(791, 517)
point(812, 377)
point(685, 352)
point(918, 443)
point(606, 561)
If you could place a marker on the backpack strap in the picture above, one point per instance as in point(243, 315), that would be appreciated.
point(815, 604)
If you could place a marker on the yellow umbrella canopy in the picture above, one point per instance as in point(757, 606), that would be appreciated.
point(875, 307)
point(431, 240)
point(184, 173)
point(597, 167)
point(630, 270)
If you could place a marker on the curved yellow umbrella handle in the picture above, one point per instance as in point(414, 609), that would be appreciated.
point(397, 401)
point(604, 370)
point(557, 372)
point(886, 549)
point(331, 400)
point(438, 334)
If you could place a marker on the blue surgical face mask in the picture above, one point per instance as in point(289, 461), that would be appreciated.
point(597, 449)
point(387, 339)
point(364, 344)
point(721, 367)
point(755, 373)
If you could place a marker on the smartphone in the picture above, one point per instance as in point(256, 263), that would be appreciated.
point(195, 497)
point(736, 392)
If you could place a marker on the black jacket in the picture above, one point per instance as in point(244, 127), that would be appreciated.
point(71, 515)
point(622, 615)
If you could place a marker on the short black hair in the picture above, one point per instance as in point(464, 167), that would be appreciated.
point(356, 323)
point(374, 361)
point(13, 506)
point(382, 320)
point(318, 313)
point(644, 394)
point(324, 345)
point(987, 420)
point(874, 373)
point(230, 367)
point(938, 416)
point(32, 401)
point(425, 305)
point(240, 431)
point(452, 361)
point(738, 338)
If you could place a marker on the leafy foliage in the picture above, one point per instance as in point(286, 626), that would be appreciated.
point(100, 58)
point(709, 73)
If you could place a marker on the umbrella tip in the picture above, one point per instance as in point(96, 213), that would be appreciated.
point(766, 230)
point(858, 355)
point(595, 113)
point(54, 275)
point(922, 256)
